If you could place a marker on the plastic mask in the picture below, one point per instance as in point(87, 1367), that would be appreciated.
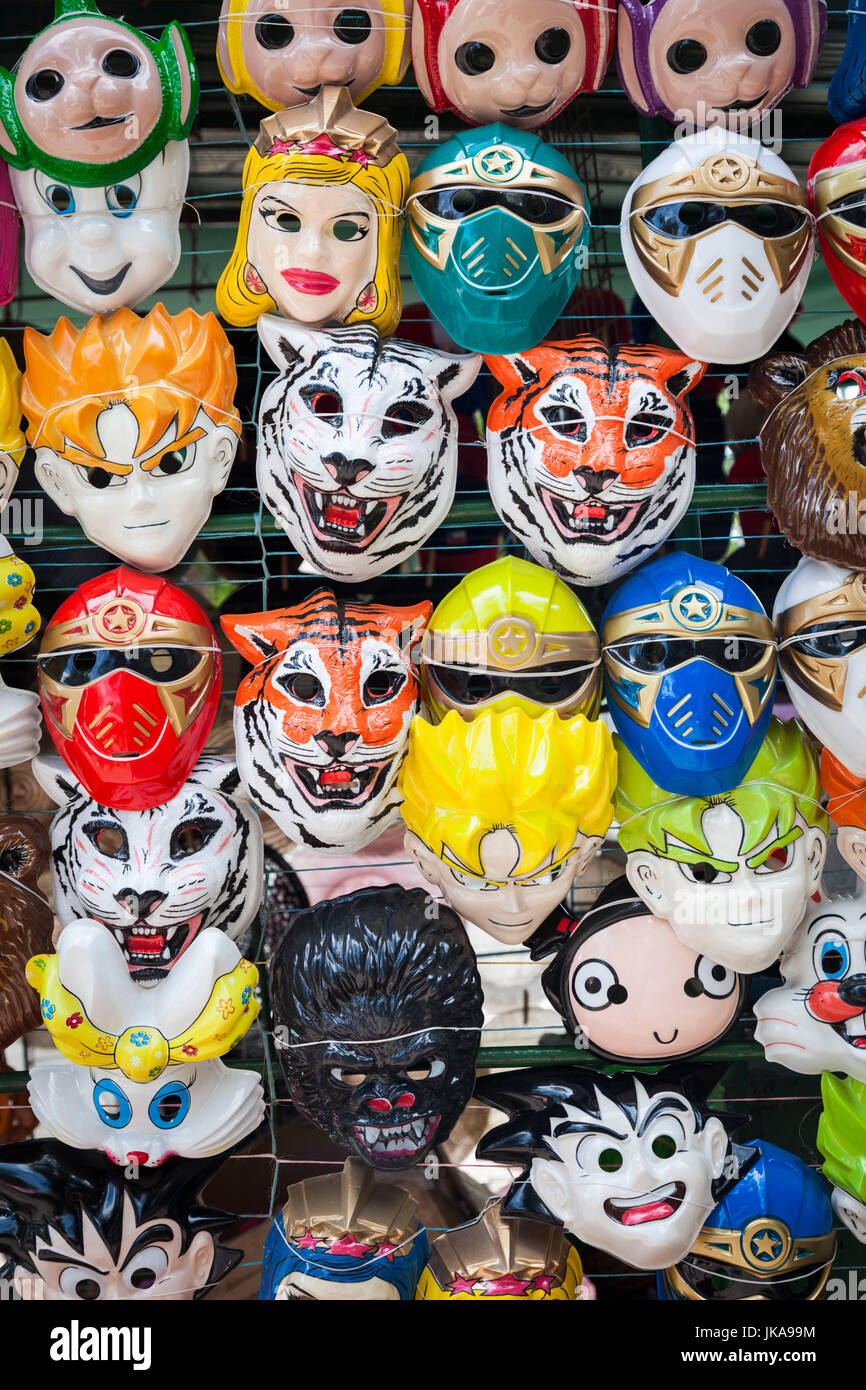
point(357, 454)
point(322, 721)
point(732, 874)
point(846, 806)
point(387, 1069)
point(718, 242)
point(134, 425)
point(98, 249)
point(321, 220)
point(842, 1144)
point(706, 65)
point(511, 636)
point(344, 1236)
point(498, 236)
point(129, 674)
point(281, 54)
point(820, 620)
point(690, 668)
point(26, 921)
point(524, 73)
point(817, 1020)
point(77, 1228)
point(92, 100)
point(19, 620)
point(8, 238)
point(157, 879)
point(846, 97)
point(811, 442)
point(12, 442)
point(630, 1164)
point(771, 1238)
point(503, 814)
point(592, 453)
point(837, 198)
point(622, 980)
point(492, 1260)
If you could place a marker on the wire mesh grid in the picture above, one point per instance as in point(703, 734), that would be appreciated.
point(243, 562)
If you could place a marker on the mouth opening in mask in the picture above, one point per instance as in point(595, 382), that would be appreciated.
point(396, 1143)
point(657, 1205)
point(592, 520)
point(339, 519)
point(338, 784)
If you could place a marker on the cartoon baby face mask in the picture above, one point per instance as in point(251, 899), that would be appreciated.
point(718, 242)
point(156, 878)
point(820, 620)
point(134, 425)
point(281, 53)
point(97, 249)
point(817, 1020)
point(523, 73)
point(771, 1237)
point(357, 454)
point(837, 198)
point(129, 675)
point(632, 1164)
point(690, 669)
point(322, 722)
point(75, 1227)
point(811, 441)
point(501, 1261)
point(592, 453)
point(842, 1144)
point(93, 101)
point(321, 220)
point(26, 920)
point(141, 1077)
point(386, 1068)
point(732, 874)
point(705, 65)
point(622, 980)
point(498, 234)
point(505, 812)
point(344, 1236)
point(511, 636)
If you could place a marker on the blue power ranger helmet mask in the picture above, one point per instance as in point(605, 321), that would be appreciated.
point(498, 237)
point(690, 672)
point(772, 1236)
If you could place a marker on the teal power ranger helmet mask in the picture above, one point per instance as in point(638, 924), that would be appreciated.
point(498, 237)
point(94, 100)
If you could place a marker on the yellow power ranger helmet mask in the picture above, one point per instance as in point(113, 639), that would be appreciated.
point(511, 636)
point(505, 1261)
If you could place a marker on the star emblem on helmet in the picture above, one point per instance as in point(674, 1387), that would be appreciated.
point(499, 163)
point(728, 172)
point(694, 607)
point(766, 1244)
point(510, 641)
point(120, 619)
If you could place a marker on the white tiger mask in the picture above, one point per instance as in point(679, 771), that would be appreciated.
point(157, 878)
point(357, 456)
point(592, 453)
point(816, 1021)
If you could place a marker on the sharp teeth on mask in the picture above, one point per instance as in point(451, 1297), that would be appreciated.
point(171, 931)
point(166, 955)
point(121, 939)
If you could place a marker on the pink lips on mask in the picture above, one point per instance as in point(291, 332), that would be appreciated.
point(310, 281)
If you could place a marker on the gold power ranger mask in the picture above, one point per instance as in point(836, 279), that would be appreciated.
point(498, 233)
point(502, 1261)
point(718, 241)
point(772, 1237)
point(690, 663)
point(511, 636)
point(129, 675)
point(837, 198)
point(820, 620)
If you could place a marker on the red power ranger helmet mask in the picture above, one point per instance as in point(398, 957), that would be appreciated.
point(837, 198)
point(130, 676)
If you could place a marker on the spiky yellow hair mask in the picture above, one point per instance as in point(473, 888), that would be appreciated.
point(11, 433)
point(546, 779)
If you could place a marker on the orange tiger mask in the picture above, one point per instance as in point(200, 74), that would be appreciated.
point(592, 453)
point(322, 722)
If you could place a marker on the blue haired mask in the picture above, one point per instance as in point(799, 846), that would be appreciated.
point(690, 671)
point(772, 1236)
point(338, 1260)
point(498, 237)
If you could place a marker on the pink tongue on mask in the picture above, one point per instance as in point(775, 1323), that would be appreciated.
point(653, 1211)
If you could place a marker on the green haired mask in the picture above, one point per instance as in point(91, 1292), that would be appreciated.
point(782, 780)
point(93, 100)
point(842, 1133)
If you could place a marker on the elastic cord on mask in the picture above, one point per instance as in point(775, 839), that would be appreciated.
point(479, 187)
point(106, 212)
point(674, 800)
point(537, 672)
point(738, 1273)
point(152, 644)
point(394, 210)
point(407, 427)
point(822, 367)
point(376, 1042)
point(34, 893)
point(758, 201)
point(645, 638)
point(624, 420)
point(825, 632)
point(112, 399)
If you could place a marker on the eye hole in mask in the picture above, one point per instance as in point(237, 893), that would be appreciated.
point(831, 641)
point(455, 204)
point(851, 208)
point(654, 655)
point(159, 664)
point(765, 220)
point(476, 687)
